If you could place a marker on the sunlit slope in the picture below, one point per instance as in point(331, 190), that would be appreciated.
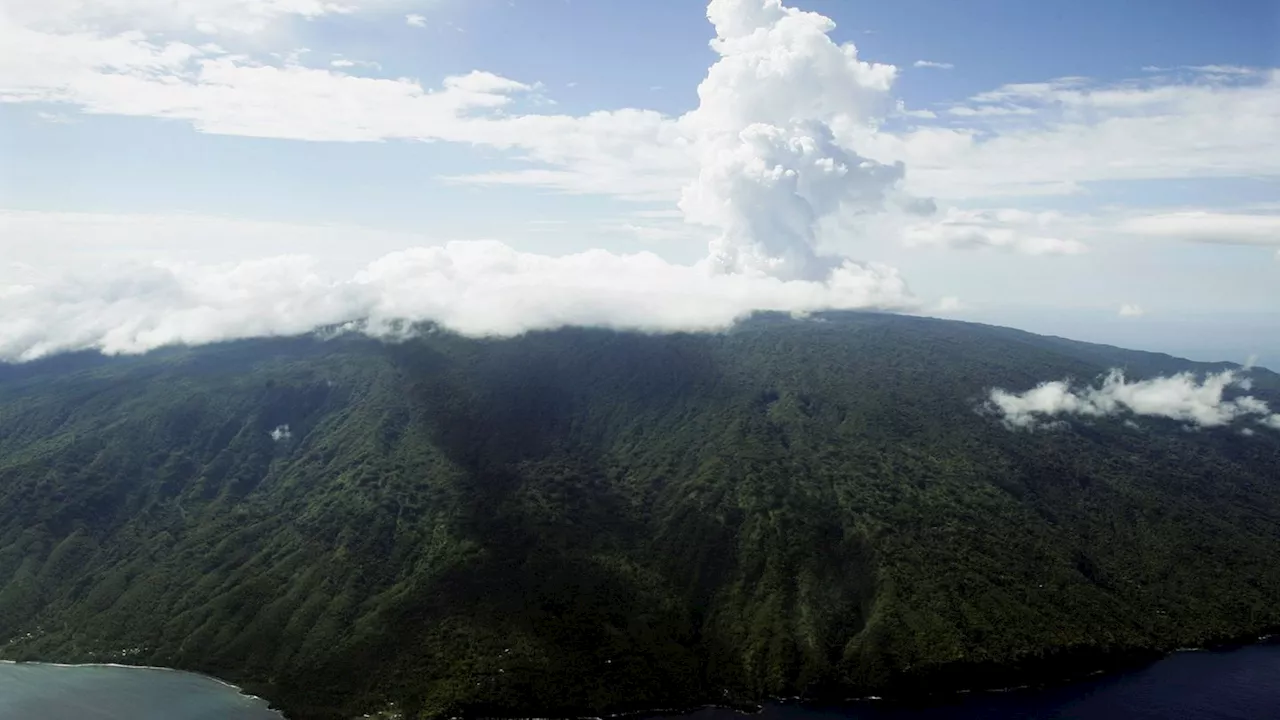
point(584, 520)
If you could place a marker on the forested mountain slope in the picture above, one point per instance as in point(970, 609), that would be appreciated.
point(584, 520)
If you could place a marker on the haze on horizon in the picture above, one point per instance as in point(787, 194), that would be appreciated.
point(213, 169)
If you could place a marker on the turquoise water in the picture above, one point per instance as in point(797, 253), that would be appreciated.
point(31, 691)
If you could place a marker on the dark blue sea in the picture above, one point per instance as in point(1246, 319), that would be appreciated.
point(1241, 684)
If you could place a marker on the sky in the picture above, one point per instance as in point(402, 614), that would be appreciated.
point(197, 170)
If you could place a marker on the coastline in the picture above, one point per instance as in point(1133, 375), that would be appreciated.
point(889, 697)
point(1124, 661)
point(220, 681)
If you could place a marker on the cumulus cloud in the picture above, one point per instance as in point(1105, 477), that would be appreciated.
point(633, 153)
point(1046, 138)
point(786, 134)
point(281, 432)
point(415, 20)
point(932, 64)
point(1202, 403)
point(477, 288)
point(769, 168)
point(1131, 310)
point(1011, 230)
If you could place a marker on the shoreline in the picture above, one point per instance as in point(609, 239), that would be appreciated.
point(889, 697)
point(751, 708)
point(231, 686)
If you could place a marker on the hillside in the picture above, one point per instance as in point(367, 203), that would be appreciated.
point(585, 520)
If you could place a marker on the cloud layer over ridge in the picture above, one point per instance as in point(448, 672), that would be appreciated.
point(768, 171)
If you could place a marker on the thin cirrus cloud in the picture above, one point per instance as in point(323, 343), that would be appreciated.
point(1183, 397)
point(1052, 138)
point(207, 17)
point(1008, 230)
point(933, 64)
point(1208, 227)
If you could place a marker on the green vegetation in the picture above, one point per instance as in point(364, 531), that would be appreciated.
point(584, 520)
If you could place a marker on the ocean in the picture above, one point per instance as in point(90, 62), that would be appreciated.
point(1239, 684)
point(31, 691)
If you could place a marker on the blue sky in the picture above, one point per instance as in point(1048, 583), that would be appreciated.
point(1078, 158)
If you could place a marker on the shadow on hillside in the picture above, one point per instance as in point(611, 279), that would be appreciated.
point(561, 566)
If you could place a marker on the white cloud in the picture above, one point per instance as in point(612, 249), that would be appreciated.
point(636, 154)
point(1178, 397)
point(768, 172)
point(204, 16)
point(44, 241)
point(1236, 70)
point(787, 132)
point(769, 167)
point(1013, 230)
point(900, 109)
point(1208, 227)
point(1131, 310)
point(54, 118)
point(661, 231)
point(342, 62)
point(988, 111)
point(476, 288)
point(632, 153)
point(932, 64)
point(949, 304)
point(226, 94)
point(1023, 139)
point(1052, 137)
point(281, 432)
point(415, 20)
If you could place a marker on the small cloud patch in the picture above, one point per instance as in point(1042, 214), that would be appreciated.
point(1199, 403)
point(949, 304)
point(281, 432)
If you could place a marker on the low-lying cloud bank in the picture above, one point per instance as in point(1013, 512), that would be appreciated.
point(1178, 397)
point(474, 288)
